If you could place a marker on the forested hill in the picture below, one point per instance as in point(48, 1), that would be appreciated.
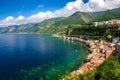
point(61, 23)
point(88, 17)
point(30, 27)
point(107, 15)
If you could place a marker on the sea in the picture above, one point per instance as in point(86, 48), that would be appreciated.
point(38, 57)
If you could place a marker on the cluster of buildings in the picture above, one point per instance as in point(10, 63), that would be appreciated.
point(99, 51)
point(110, 22)
point(117, 51)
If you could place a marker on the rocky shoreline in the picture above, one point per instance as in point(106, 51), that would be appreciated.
point(99, 51)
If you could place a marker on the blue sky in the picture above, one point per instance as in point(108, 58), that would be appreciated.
point(15, 12)
point(28, 7)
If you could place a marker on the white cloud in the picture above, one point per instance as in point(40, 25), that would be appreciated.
point(70, 8)
point(19, 18)
point(9, 18)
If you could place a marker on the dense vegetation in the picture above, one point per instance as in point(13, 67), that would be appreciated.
point(51, 25)
point(107, 15)
point(109, 70)
point(89, 17)
point(96, 31)
point(80, 23)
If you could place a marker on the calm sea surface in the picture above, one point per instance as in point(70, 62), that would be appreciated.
point(38, 57)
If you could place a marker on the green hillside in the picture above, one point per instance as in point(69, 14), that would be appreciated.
point(107, 15)
point(88, 17)
point(60, 24)
point(109, 70)
point(30, 27)
point(77, 21)
point(77, 18)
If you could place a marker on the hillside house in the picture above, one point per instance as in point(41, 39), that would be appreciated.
point(114, 22)
point(117, 51)
point(110, 22)
point(115, 40)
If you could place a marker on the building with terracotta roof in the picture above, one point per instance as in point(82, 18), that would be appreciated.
point(110, 22)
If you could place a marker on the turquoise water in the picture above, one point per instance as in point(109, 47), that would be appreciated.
point(38, 57)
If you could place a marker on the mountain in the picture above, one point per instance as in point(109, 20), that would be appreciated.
point(50, 25)
point(88, 17)
point(77, 18)
point(107, 15)
point(30, 27)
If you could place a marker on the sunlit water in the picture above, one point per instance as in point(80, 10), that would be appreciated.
point(38, 57)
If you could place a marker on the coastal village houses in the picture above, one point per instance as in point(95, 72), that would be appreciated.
point(110, 22)
point(118, 49)
point(100, 50)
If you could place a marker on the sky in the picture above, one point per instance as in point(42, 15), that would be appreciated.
point(15, 12)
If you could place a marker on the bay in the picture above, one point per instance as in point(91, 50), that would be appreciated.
point(38, 57)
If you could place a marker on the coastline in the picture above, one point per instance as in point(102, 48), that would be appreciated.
point(99, 51)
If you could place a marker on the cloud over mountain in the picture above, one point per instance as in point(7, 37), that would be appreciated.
point(71, 7)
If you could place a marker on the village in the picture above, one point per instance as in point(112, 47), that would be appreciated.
point(99, 51)
point(113, 22)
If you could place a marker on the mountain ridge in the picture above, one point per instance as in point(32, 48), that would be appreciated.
point(78, 18)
